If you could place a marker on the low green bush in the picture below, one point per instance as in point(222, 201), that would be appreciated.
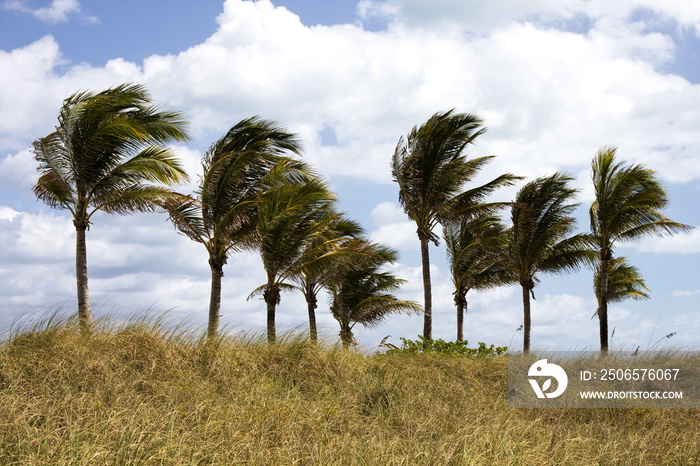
point(439, 346)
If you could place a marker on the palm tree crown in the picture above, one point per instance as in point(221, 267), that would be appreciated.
point(106, 154)
point(627, 207)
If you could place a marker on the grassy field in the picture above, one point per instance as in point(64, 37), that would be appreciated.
point(139, 394)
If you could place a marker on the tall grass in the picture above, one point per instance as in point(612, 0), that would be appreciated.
point(143, 392)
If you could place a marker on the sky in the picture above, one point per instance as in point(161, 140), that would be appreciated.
point(553, 80)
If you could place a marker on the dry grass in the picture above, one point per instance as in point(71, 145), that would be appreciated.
point(138, 394)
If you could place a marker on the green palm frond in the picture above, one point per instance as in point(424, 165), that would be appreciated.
point(430, 168)
point(473, 253)
point(624, 281)
point(628, 202)
point(186, 215)
point(155, 164)
point(260, 291)
point(132, 198)
point(105, 149)
point(541, 236)
point(362, 293)
point(54, 192)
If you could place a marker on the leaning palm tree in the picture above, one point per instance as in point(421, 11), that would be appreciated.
point(222, 213)
point(323, 250)
point(540, 238)
point(431, 170)
point(362, 293)
point(628, 201)
point(107, 155)
point(624, 282)
point(291, 220)
point(473, 263)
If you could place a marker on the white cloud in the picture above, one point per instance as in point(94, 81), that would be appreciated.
point(394, 227)
point(58, 11)
point(680, 243)
point(685, 293)
point(482, 17)
point(550, 98)
point(18, 170)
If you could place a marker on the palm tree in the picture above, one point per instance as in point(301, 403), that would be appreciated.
point(473, 263)
point(362, 293)
point(628, 201)
point(624, 282)
point(107, 154)
point(291, 219)
point(431, 171)
point(323, 250)
point(222, 214)
point(540, 240)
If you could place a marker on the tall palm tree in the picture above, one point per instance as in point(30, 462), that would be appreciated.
point(431, 170)
point(473, 263)
point(291, 220)
point(107, 154)
point(323, 250)
point(362, 293)
point(624, 282)
point(222, 214)
point(627, 207)
point(540, 238)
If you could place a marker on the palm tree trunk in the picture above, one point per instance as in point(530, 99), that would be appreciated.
point(603, 309)
point(311, 305)
point(346, 337)
point(461, 307)
point(271, 330)
point(81, 275)
point(427, 291)
point(272, 298)
point(526, 312)
point(215, 297)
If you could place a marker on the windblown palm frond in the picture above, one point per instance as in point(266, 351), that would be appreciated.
point(624, 282)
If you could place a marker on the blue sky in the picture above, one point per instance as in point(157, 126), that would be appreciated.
point(554, 81)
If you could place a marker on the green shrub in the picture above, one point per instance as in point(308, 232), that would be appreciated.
point(439, 346)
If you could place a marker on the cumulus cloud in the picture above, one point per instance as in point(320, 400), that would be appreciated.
point(393, 227)
point(59, 11)
point(18, 171)
point(554, 81)
point(541, 90)
point(482, 17)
